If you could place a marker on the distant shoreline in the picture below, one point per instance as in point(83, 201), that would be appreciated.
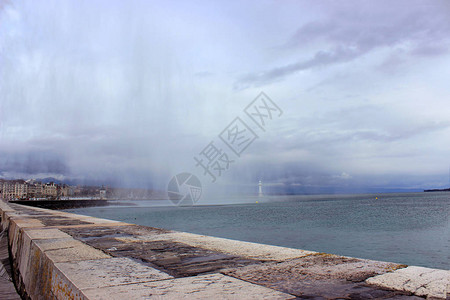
point(438, 190)
point(63, 204)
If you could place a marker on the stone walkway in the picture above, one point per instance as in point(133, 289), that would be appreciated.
point(91, 258)
point(7, 289)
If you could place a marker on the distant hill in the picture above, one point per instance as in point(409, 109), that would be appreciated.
point(438, 190)
point(51, 179)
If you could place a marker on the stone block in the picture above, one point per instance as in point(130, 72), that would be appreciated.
point(425, 282)
point(109, 272)
point(212, 286)
point(78, 252)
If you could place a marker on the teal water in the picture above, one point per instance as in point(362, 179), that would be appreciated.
point(411, 228)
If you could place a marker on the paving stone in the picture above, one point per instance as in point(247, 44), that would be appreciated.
point(319, 275)
point(27, 210)
point(78, 252)
point(27, 222)
point(94, 220)
point(420, 281)
point(175, 258)
point(213, 286)
point(233, 247)
point(86, 233)
point(55, 244)
point(60, 221)
point(5, 207)
point(126, 230)
point(109, 272)
point(35, 234)
point(88, 219)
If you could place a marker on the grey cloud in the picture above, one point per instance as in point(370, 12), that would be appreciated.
point(328, 142)
point(395, 135)
point(367, 123)
point(353, 32)
point(33, 162)
point(427, 49)
point(321, 58)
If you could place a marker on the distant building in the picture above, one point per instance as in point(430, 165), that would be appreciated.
point(20, 189)
point(62, 191)
point(50, 190)
point(13, 189)
point(31, 189)
point(102, 193)
point(39, 187)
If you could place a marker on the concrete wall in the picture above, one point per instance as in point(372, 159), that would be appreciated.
point(34, 272)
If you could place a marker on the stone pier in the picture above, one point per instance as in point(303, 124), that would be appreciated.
point(58, 255)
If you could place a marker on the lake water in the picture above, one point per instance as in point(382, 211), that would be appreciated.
point(412, 228)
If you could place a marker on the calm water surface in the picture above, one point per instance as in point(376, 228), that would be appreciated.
point(412, 228)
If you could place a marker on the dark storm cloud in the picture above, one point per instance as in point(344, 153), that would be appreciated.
point(32, 162)
point(350, 32)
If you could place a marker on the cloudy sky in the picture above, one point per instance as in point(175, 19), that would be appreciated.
point(128, 92)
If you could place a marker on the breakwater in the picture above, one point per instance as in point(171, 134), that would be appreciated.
point(62, 204)
point(60, 255)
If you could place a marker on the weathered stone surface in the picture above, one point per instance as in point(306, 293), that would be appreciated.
point(78, 252)
point(320, 275)
point(417, 280)
point(60, 221)
point(63, 288)
point(7, 289)
point(31, 211)
point(36, 234)
point(55, 244)
point(109, 272)
point(15, 236)
point(175, 258)
point(97, 221)
point(27, 222)
point(37, 278)
point(5, 207)
point(23, 258)
point(213, 286)
point(233, 247)
point(87, 233)
point(109, 230)
point(88, 219)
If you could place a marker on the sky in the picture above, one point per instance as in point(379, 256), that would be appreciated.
point(129, 93)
